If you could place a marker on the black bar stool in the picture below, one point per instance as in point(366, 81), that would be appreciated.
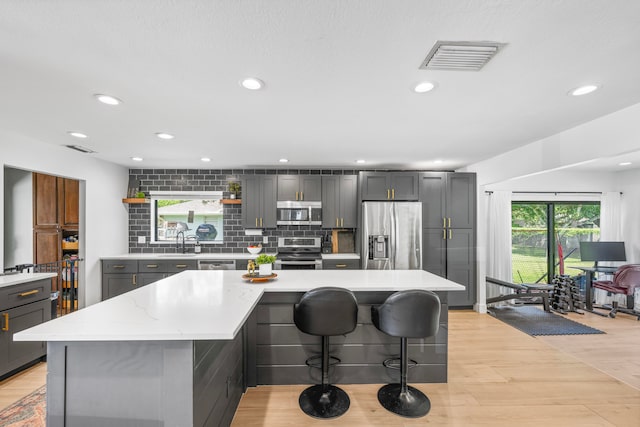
point(324, 312)
point(406, 314)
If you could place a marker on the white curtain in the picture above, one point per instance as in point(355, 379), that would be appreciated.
point(611, 217)
point(499, 240)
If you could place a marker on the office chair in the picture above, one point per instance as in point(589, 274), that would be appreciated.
point(625, 281)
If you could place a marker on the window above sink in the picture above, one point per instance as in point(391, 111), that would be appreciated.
point(198, 215)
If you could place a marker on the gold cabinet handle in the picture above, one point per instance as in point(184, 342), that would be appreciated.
point(337, 222)
point(256, 222)
point(302, 195)
point(260, 222)
point(450, 235)
point(341, 222)
point(181, 265)
point(341, 265)
point(444, 234)
point(388, 194)
point(134, 279)
point(118, 267)
point(32, 292)
point(393, 193)
point(449, 222)
point(296, 195)
point(444, 222)
point(152, 265)
point(6, 321)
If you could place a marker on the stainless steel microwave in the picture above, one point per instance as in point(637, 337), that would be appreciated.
point(299, 213)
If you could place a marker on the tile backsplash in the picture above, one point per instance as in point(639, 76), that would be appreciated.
point(212, 180)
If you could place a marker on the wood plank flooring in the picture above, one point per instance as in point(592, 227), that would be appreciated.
point(498, 376)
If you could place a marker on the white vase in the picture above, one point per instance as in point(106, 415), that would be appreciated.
point(265, 269)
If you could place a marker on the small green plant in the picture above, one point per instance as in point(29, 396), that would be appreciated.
point(265, 259)
point(234, 187)
point(140, 194)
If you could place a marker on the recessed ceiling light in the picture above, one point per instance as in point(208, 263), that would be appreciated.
point(205, 159)
point(283, 160)
point(137, 159)
point(252, 83)
point(107, 99)
point(360, 161)
point(583, 90)
point(77, 134)
point(163, 135)
point(437, 161)
point(423, 87)
point(624, 163)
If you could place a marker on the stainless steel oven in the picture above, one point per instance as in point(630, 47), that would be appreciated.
point(299, 213)
point(299, 253)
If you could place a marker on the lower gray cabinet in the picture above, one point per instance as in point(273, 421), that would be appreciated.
point(340, 264)
point(120, 276)
point(21, 308)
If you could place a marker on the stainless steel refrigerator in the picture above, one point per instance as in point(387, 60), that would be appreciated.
point(392, 235)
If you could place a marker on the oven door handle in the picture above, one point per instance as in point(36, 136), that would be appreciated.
point(298, 262)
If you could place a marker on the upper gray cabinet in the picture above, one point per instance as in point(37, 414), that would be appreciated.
point(339, 201)
point(259, 201)
point(448, 199)
point(299, 188)
point(390, 186)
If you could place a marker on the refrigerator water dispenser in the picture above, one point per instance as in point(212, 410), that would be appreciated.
point(378, 247)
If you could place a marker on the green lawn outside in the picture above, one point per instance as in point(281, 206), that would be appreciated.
point(530, 264)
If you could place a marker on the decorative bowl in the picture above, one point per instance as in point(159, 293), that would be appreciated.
point(254, 250)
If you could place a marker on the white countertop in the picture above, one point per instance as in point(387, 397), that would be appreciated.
point(16, 279)
point(225, 255)
point(209, 305)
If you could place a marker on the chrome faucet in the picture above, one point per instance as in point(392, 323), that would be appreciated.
point(184, 250)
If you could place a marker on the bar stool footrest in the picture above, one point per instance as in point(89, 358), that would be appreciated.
point(394, 363)
point(316, 361)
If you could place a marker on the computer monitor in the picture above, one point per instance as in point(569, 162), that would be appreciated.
point(602, 251)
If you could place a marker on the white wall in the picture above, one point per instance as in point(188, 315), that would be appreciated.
point(103, 185)
point(18, 225)
point(629, 184)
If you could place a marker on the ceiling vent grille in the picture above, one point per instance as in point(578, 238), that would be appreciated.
point(80, 148)
point(460, 56)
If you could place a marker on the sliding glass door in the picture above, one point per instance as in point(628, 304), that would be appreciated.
point(546, 238)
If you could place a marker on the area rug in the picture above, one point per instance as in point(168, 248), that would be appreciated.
point(533, 321)
point(30, 411)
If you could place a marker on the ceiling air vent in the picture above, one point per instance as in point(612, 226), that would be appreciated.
point(80, 148)
point(460, 56)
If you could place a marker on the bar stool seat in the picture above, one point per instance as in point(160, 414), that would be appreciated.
point(325, 312)
point(406, 314)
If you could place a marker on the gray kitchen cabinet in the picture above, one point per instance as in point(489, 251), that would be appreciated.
point(340, 264)
point(120, 276)
point(259, 201)
point(299, 188)
point(389, 186)
point(339, 201)
point(22, 306)
point(448, 239)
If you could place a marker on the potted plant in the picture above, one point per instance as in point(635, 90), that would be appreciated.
point(234, 190)
point(265, 264)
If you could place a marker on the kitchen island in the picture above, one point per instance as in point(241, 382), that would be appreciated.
point(182, 350)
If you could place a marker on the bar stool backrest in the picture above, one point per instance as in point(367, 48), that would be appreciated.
point(410, 314)
point(326, 311)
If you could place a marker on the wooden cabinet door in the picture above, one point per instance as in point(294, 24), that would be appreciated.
point(404, 186)
point(69, 215)
point(330, 201)
point(310, 188)
point(47, 245)
point(349, 201)
point(45, 200)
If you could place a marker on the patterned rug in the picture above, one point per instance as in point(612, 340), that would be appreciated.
point(30, 411)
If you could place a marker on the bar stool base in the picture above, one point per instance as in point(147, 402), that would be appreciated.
point(412, 404)
point(329, 404)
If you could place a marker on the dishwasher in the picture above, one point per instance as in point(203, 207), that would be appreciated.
point(217, 264)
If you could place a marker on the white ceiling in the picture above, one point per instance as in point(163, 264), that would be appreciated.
point(339, 77)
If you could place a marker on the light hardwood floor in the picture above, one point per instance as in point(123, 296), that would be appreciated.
point(498, 376)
